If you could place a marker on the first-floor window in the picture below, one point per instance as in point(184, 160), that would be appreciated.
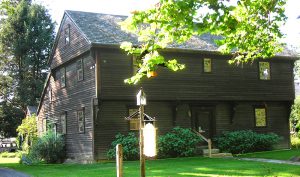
point(63, 122)
point(80, 117)
point(260, 117)
point(134, 123)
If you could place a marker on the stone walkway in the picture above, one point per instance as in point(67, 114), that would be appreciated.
point(6, 172)
point(271, 161)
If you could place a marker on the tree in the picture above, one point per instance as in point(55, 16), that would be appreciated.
point(248, 29)
point(28, 131)
point(26, 39)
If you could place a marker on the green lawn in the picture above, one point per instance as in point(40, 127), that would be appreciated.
point(279, 154)
point(196, 166)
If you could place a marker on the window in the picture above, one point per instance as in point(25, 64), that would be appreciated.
point(80, 70)
point(63, 122)
point(260, 117)
point(134, 123)
point(50, 95)
point(80, 117)
point(207, 65)
point(67, 35)
point(62, 77)
point(264, 70)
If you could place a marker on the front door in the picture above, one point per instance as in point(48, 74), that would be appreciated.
point(203, 121)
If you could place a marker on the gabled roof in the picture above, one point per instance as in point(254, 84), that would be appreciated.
point(103, 29)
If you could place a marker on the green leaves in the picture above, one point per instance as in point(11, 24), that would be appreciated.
point(249, 30)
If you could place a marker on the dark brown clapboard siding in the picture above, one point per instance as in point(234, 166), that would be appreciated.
point(226, 82)
point(70, 99)
point(78, 44)
point(111, 122)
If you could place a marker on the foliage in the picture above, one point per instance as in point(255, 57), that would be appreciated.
point(295, 115)
point(239, 142)
point(130, 144)
point(180, 142)
point(8, 155)
point(295, 142)
point(50, 148)
point(26, 37)
point(249, 30)
point(27, 131)
point(10, 117)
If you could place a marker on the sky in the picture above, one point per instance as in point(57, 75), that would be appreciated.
point(124, 7)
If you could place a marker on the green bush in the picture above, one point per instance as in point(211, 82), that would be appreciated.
point(49, 147)
point(180, 142)
point(295, 142)
point(239, 142)
point(130, 144)
point(4, 154)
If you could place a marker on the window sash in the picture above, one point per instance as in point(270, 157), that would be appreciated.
point(264, 71)
point(80, 117)
point(207, 65)
point(80, 70)
point(67, 35)
point(134, 122)
point(260, 117)
point(63, 77)
point(63, 123)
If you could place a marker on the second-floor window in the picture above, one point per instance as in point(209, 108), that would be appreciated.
point(207, 65)
point(264, 70)
point(62, 77)
point(80, 70)
point(67, 35)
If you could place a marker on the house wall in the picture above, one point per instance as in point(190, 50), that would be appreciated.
point(65, 52)
point(225, 82)
point(231, 91)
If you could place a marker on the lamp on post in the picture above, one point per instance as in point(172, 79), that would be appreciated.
point(141, 101)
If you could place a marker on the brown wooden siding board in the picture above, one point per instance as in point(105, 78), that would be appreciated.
point(226, 82)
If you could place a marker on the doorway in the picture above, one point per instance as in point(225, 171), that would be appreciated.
point(203, 121)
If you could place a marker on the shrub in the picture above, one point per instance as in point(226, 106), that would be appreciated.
point(244, 141)
point(27, 131)
point(130, 144)
point(49, 147)
point(295, 142)
point(180, 142)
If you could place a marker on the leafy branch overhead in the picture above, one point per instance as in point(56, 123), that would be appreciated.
point(248, 29)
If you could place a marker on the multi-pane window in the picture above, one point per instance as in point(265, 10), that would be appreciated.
point(67, 35)
point(80, 117)
point(134, 123)
point(260, 117)
point(80, 70)
point(63, 122)
point(63, 77)
point(264, 70)
point(207, 65)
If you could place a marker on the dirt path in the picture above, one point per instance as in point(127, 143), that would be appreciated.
point(6, 172)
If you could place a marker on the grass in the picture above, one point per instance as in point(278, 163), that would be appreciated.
point(279, 154)
point(195, 166)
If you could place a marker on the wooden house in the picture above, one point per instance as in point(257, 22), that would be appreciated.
point(86, 99)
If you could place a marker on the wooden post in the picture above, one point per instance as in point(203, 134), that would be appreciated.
point(209, 147)
point(142, 157)
point(119, 160)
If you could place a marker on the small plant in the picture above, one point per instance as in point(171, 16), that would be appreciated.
point(49, 147)
point(295, 142)
point(130, 144)
point(239, 142)
point(180, 142)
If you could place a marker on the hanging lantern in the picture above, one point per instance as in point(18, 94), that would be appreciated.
point(149, 133)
